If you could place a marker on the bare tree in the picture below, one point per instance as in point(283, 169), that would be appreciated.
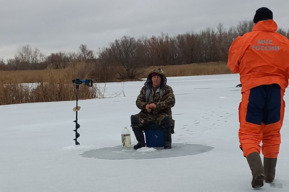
point(85, 54)
point(186, 48)
point(125, 52)
point(28, 58)
point(28, 55)
point(244, 27)
point(58, 60)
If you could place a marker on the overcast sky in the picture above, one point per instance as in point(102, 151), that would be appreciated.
point(63, 25)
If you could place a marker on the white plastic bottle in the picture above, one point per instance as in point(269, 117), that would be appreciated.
point(125, 137)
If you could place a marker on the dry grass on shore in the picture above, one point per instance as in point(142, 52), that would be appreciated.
point(66, 75)
point(42, 85)
point(56, 84)
point(193, 69)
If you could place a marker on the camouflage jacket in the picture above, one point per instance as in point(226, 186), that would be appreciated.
point(164, 99)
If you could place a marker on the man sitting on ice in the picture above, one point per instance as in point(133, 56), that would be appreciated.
point(155, 100)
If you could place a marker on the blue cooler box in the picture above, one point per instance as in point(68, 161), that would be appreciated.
point(154, 136)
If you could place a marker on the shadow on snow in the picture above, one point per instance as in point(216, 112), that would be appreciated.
point(120, 153)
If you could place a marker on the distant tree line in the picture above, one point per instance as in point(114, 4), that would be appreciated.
point(28, 58)
point(210, 45)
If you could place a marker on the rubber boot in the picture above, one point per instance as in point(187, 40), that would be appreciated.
point(269, 169)
point(167, 139)
point(256, 167)
point(166, 124)
point(138, 132)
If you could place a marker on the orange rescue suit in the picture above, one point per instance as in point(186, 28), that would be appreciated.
point(261, 57)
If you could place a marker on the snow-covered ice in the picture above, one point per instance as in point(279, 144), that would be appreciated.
point(38, 152)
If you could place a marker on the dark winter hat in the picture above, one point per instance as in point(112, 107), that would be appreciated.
point(263, 13)
point(158, 72)
point(154, 74)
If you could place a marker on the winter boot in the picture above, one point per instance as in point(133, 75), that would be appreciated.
point(269, 169)
point(138, 132)
point(256, 167)
point(166, 124)
point(139, 137)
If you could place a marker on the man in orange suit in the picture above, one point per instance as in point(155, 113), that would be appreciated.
point(261, 57)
